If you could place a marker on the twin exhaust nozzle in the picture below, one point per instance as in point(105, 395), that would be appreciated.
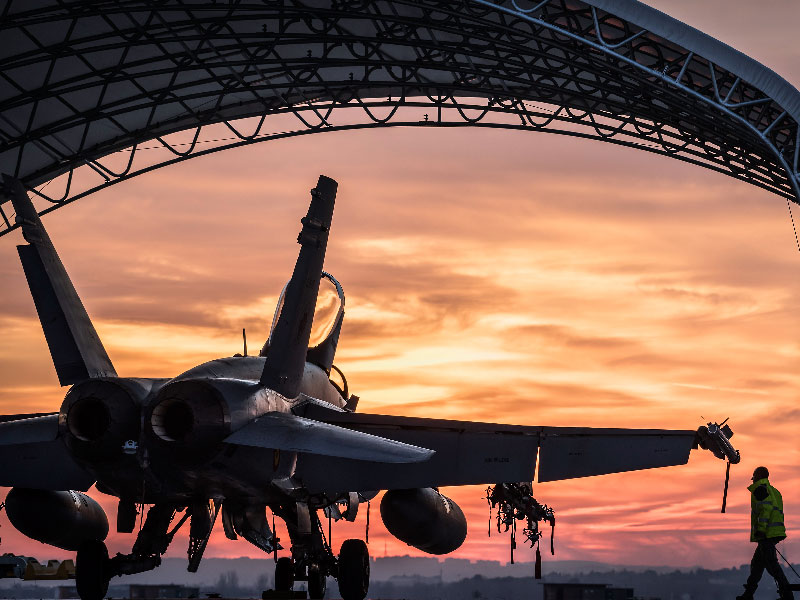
point(103, 417)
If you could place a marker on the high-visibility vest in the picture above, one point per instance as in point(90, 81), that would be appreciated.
point(766, 515)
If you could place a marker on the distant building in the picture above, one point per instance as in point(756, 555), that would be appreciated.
point(411, 580)
point(586, 591)
point(137, 591)
point(66, 591)
point(147, 592)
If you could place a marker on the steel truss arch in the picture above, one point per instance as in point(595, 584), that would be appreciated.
point(94, 93)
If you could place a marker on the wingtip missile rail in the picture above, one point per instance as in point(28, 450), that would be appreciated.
point(715, 437)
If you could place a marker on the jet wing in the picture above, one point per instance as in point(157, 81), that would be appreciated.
point(32, 456)
point(486, 453)
point(572, 452)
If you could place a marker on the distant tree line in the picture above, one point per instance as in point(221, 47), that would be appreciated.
point(698, 584)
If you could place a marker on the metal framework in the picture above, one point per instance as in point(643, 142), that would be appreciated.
point(93, 93)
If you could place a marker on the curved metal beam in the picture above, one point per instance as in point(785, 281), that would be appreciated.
point(88, 86)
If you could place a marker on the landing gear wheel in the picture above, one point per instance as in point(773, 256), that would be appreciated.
point(316, 582)
point(353, 570)
point(91, 570)
point(284, 574)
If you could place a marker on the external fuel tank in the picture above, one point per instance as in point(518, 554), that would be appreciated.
point(62, 519)
point(425, 519)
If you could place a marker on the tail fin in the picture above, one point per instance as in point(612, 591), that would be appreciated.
point(286, 358)
point(74, 344)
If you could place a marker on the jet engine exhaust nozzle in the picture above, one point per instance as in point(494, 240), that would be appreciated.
point(88, 419)
point(190, 417)
point(98, 416)
point(173, 420)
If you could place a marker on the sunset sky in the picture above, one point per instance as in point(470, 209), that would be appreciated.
point(490, 275)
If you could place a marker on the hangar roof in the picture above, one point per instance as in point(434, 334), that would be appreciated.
point(723, 55)
point(93, 93)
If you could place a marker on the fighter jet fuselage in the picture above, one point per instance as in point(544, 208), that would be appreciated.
point(155, 439)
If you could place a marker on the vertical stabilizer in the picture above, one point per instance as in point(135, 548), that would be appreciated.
point(74, 344)
point(286, 358)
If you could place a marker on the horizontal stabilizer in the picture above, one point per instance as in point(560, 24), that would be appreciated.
point(24, 431)
point(283, 431)
point(7, 418)
point(33, 457)
point(74, 344)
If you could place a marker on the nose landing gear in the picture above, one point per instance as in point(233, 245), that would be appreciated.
point(313, 560)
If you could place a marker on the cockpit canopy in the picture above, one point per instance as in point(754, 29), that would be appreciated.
point(328, 316)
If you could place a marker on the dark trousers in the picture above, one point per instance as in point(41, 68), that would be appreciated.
point(766, 557)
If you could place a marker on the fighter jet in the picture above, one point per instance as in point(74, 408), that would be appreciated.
point(238, 435)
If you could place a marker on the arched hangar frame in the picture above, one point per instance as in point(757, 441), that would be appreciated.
point(93, 93)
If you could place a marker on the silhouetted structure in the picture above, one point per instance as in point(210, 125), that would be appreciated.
point(615, 71)
point(585, 591)
point(138, 591)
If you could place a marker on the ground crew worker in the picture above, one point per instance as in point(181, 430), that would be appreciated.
point(766, 529)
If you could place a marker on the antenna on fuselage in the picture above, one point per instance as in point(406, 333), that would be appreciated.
point(244, 341)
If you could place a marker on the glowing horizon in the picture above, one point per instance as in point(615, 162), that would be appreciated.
point(493, 276)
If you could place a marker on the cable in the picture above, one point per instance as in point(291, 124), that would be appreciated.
point(796, 241)
point(725, 491)
point(366, 533)
point(141, 514)
point(787, 562)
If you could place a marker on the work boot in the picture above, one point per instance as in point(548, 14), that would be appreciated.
point(786, 594)
point(748, 593)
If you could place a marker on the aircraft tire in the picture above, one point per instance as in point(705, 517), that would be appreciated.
point(284, 574)
point(316, 583)
point(91, 570)
point(353, 570)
